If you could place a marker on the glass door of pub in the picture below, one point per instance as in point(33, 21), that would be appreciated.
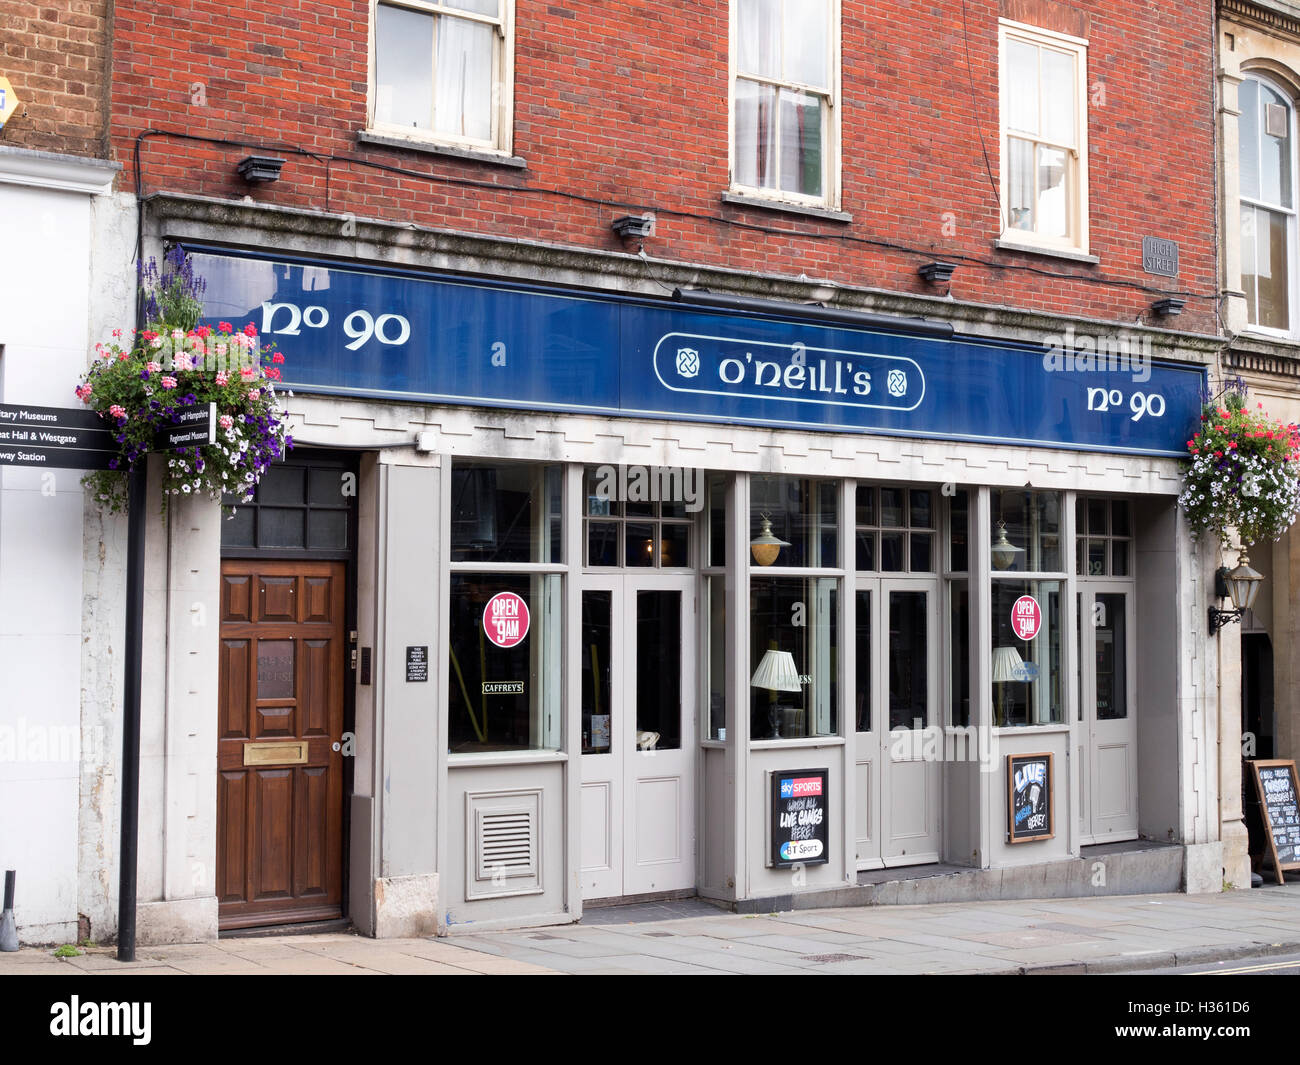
point(899, 750)
point(1108, 777)
point(638, 734)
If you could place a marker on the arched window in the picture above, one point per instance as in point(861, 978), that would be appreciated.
point(1268, 217)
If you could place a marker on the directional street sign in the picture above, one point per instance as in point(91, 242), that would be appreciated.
point(196, 427)
point(65, 438)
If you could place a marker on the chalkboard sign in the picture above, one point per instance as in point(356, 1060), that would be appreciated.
point(800, 817)
point(1279, 798)
point(1029, 797)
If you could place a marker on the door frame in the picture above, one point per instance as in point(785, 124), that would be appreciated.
point(345, 461)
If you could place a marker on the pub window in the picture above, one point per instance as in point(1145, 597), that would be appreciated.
point(504, 647)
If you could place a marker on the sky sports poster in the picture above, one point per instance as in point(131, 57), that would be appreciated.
point(800, 817)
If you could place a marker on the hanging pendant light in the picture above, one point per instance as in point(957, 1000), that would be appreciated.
point(765, 547)
point(1004, 551)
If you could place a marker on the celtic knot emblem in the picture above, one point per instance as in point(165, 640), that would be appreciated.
point(688, 362)
point(896, 382)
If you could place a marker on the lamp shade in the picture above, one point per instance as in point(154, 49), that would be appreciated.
point(776, 672)
point(1004, 551)
point(1244, 584)
point(1007, 665)
point(765, 547)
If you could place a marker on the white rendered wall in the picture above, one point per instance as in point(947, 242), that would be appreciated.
point(45, 281)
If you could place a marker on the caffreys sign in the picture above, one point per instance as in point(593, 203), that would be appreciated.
point(800, 818)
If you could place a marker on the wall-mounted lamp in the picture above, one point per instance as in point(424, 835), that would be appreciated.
point(634, 225)
point(1242, 584)
point(1168, 307)
point(938, 272)
point(765, 547)
point(255, 168)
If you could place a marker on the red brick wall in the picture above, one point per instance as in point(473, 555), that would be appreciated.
point(616, 100)
point(55, 54)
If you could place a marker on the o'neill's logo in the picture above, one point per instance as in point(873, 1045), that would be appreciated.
point(793, 373)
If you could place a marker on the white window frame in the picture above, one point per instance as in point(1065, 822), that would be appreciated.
point(831, 187)
point(1077, 211)
point(503, 80)
point(1291, 213)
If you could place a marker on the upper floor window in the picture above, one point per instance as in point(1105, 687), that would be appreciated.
point(442, 71)
point(1044, 139)
point(1267, 203)
point(784, 121)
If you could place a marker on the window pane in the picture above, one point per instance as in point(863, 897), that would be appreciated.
point(804, 702)
point(862, 657)
point(1033, 527)
point(327, 530)
point(1249, 256)
point(280, 527)
point(717, 521)
point(464, 71)
point(891, 552)
point(958, 510)
point(596, 664)
point(959, 622)
point(1275, 151)
point(674, 545)
point(802, 513)
point(755, 135)
point(1026, 673)
point(891, 507)
point(807, 54)
point(1272, 281)
point(521, 708)
point(921, 517)
point(482, 7)
point(801, 143)
point(1097, 515)
point(1053, 192)
point(499, 512)
point(716, 590)
point(1119, 517)
point(1248, 138)
point(866, 551)
point(1119, 558)
point(758, 36)
point(908, 657)
point(1096, 558)
point(326, 487)
point(922, 554)
point(1020, 105)
point(1020, 184)
point(865, 505)
point(658, 671)
point(602, 543)
point(1112, 674)
point(238, 531)
point(403, 67)
point(282, 484)
point(1059, 87)
point(639, 544)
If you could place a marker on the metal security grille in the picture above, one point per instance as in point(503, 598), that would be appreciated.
point(506, 844)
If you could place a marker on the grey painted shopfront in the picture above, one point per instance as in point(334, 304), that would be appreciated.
point(628, 727)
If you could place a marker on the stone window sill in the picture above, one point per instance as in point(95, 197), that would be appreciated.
point(451, 151)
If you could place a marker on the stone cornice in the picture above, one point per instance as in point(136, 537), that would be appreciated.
point(1275, 16)
point(53, 170)
point(245, 224)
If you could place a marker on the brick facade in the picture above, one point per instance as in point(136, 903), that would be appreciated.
point(623, 106)
point(55, 54)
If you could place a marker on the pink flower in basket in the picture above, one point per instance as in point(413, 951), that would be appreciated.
point(169, 382)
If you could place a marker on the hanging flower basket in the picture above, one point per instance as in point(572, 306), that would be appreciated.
point(1243, 474)
point(142, 381)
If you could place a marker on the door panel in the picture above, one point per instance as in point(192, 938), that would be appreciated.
point(280, 820)
point(1108, 763)
point(638, 714)
point(898, 779)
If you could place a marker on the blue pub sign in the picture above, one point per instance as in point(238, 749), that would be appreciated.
point(390, 334)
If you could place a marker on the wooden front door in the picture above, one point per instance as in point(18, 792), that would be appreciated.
point(280, 776)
